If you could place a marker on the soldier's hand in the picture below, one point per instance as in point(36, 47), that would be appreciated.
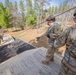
point(37, 38)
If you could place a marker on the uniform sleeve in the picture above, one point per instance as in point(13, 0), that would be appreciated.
point(61, 40)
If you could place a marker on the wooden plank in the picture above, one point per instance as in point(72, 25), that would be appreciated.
point(44, 68)
point(29, 63)
point(39, 56)
point(30, 67)
point(53, 65)
point(2, 73)
point(15, 69)
point(17, 58)
point(24, 65)
point(8, 72)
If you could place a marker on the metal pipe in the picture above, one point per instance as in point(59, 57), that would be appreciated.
point(59, 14)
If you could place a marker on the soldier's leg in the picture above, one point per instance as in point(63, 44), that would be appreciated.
point(49, 54)
point(51, 51)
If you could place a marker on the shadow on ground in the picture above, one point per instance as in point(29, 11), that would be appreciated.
point(16, 30)
point(14, 48)
point(41, 43)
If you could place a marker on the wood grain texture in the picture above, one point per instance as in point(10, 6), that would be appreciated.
point(29, 63)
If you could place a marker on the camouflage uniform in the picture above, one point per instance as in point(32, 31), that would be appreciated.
point(68, 37)
point(52, 33)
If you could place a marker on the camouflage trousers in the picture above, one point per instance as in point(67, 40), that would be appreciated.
point(51, 50)
point(66, 71)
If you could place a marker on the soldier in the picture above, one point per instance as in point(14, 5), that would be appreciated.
point(54, 30)
point(1, 35)
point(68, 37)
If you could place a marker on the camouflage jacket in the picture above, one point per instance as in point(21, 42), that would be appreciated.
point(68, 37)
point(53, 31)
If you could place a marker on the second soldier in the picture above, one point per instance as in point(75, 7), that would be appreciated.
point(54, 30)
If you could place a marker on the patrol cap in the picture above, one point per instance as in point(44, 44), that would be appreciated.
point(51, 18)
point(74, 13)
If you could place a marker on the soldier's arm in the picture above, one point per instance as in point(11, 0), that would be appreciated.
point(61, 40)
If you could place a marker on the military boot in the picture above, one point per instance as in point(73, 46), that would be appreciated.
point(47, 60)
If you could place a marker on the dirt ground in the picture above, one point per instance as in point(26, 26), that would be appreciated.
point(29, 35)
